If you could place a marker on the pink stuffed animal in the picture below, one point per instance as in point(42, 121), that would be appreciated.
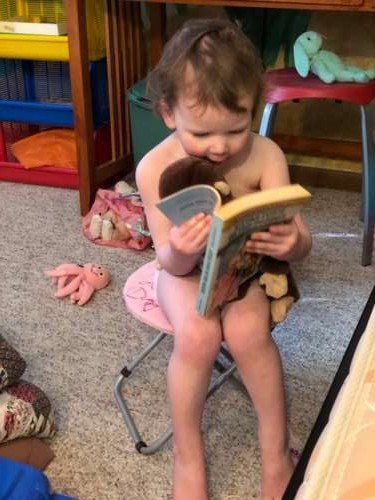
point(79, 282)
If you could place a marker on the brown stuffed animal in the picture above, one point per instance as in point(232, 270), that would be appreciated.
point(274, 276)
point(279, 285)
point(189, 172)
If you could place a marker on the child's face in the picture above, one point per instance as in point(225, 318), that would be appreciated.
point(210, 132)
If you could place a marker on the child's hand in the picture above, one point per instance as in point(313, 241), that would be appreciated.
point(191, 237)
point(280, 241)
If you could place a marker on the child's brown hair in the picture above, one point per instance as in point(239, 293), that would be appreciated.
point(224, 61)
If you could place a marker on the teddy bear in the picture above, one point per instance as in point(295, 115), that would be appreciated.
point(326, 65)
point(273, 275)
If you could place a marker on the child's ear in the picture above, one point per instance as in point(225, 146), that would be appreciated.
point(167, 115)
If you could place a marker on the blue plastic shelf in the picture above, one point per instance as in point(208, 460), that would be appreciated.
point(39, 92)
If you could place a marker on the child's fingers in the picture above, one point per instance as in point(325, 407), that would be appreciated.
point(197, 237)
point(191, 224)
point(200, 237)
point(283, 229)
point(263, 247)
point(191, 237)
point(267, 237)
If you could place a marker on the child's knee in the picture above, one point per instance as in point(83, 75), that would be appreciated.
point(248, 336)
point(198, 341)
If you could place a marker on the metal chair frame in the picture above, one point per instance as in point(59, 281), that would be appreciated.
point(140, 443)
point(224, 364)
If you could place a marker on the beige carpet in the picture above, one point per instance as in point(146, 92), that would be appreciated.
point(75, 354)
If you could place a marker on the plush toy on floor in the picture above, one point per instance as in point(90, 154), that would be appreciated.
point(326, 65)
point(79, 282)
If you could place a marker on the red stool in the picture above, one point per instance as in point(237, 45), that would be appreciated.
point(286, 85)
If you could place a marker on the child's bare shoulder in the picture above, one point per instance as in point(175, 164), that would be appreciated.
point(267, 148)
point(266, 166)
point(154, 162)
point(272, 161)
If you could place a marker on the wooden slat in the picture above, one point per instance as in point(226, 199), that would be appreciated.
point(112, 63)
point(119, 78)
point(133, 52)
point(137, 37)
point(330, 5)
point(329, 148)
point(320, 177)
point(81, 93)
point(128, 65)
point(108, 170)
point(158, 23)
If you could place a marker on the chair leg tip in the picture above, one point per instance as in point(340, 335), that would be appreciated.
point(140, 445)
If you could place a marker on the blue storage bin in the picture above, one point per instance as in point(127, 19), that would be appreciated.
point(39, 92)
point(23, 482)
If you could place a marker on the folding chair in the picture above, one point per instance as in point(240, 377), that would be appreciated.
point(140, 300)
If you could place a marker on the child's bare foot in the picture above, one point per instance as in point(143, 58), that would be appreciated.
point(189, 480)
point(277, 469)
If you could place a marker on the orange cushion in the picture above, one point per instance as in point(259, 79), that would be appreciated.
point(55, 147)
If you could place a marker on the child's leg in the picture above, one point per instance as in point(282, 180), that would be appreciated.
point(196, 345)
point(246, 329)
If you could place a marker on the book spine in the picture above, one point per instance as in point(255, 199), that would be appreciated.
point(210, 267)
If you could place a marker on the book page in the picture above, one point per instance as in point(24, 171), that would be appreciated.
point(183, 205)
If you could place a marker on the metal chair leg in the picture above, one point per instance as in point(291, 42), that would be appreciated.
point(140, 444)
point(268, 118)
point(368, 185)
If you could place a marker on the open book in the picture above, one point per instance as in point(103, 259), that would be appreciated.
point(226, 264)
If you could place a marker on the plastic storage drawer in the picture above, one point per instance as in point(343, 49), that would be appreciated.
point(40, 92)
point(51, 48)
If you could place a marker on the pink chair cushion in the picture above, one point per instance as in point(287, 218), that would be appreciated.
point(286, 85)
point(140, 298)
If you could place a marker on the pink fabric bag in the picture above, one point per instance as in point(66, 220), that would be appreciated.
point(127, 210)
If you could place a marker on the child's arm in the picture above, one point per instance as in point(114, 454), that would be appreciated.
point(178, 249)
point(289, 241)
